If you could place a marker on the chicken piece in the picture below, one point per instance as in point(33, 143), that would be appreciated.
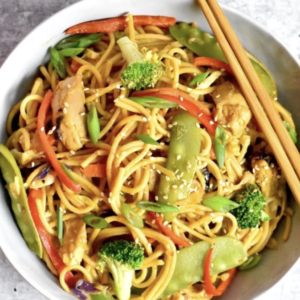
point(68, 107)
point(231, 110)
point(267, 178)
point(74, 242)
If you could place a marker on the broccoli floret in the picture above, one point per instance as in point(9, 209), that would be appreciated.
point(250, 211)
point(143, 70)
point(122, 258)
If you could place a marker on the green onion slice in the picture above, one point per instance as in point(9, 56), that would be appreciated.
point(69, 52)
point(198, 79)
point(68, 172)
point(93, 124)
point(251, 262)
point(146, 139)
point(157, 207)
point(58, 63)
point(131, 216)
point(219, 203)
point(220, 144)
point(79, 41)
point(291, 131)
point(153, 102)
point(60, 226)
point(95, 221)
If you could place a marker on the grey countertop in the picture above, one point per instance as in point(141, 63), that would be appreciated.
point(18, 17)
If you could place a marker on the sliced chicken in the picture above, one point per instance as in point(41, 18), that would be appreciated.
point(266, 177)
point(74, 242)
point(68, 108)
point(231, 110)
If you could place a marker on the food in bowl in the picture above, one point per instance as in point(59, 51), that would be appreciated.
point(135, 166)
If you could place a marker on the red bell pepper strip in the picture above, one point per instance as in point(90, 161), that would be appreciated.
point(65, 179)
point(167, 231)
point(46, 239)
point(212, 62)
point(95, 170)
point(120, 23)
point(74, 66)
point(209, 287)
point(191, 106)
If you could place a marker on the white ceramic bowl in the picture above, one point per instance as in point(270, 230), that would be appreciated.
point(21, 66)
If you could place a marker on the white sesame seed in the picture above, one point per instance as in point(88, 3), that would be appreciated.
point(266, 167)
point(65, 110)
point(174, 186)
point(116, 100)
point(69, 85)
point(43, 128)
point(178, 157)
point(181, 98)
point(170, 126)
point(198, 125)
point(278, 176)
point(165, 223)
point(66, 104)
point(122, 96)
point(33, 183)
point(167, 178)
point(275, 98)
point(189, 89)
point(72, 152)
point(165, 197)
point(25, 184)
point(145, 119)
point(156, 198)
point(33, 164)
point(211, 122)
point(152, 158)
point(218, 96)
point(82, 114)
point(137, 240)
point(222, 70)
point(153, 221)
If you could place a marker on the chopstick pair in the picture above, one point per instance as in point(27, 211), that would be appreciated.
point(256, 96)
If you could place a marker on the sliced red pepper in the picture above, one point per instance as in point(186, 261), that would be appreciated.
point(120, 23)
point(65, 179)
point(209, 287)
point(185, 101)
point(45, 237)
point(212, 62)
point(167, 231)
point(95, 170)
point(74, 66)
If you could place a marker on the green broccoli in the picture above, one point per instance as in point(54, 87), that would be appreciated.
point(250, 211)
point(143, 70)
point(122, 258)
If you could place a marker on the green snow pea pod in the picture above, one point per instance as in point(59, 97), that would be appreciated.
point(204, 44)
point(184, 148)
point(228, 253)
point(12, 175)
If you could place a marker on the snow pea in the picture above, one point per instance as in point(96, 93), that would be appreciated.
point(204, 44)
point(184, 148)
point(13, 177)
point(228, 253)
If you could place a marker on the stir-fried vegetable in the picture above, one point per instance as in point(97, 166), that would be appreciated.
point(46, 238)
point(184, 148)
point(251, 262)
point(204, 44)
point(219, 203)
point(131, 216)
point(122, 258)
point(143, 71)
point(146, 139)
point(93, 124)
point(19, 202)
point(220, 145)
point(60, 225)
point(120, 23)
point(198, 79)
point(65, 179)
point(68, 47)
point(95, 221)
point(190, 262)
point(212, 62)
point(97, 170)
point(250, 211)
point(195, 108)
point(209, 287)
point(153, 102)
point(291, 131)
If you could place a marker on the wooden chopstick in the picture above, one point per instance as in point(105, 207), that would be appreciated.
point(272, 113)
point(253, 102)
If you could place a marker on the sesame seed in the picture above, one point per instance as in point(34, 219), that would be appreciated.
point(216, 119)
point(272, 165)
point(156, 198)
point(149, 118)
point(177, 170)
point(165, 223)
point(189, 89)
point(178, 157)
point(212, 214)
point(152, 158)
point(33, 183)
point(266, 167)
point(25, 184)
point(137, 240)
point(247, 129)
point(222, 70)
point(122, 96)
point(181, 98)
point(165, 197)
point(43, 128)
point(72, 152)
point(218, 96)
point(167, 178)
point(278, 176)
point(109, 200)
point(198, 125)
point(174, 186)
point(69, 85)
point(181, 186)
point(153, 221)
point(116, 100)
point(82, 114)
point(211, 122)
point(175, 123)
point(65, 110)
point(170, 126)
point(275, 98)
point(66, 104)
point(145, 119)
point(33, 164)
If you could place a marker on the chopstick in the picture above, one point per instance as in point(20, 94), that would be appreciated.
point(217, 22)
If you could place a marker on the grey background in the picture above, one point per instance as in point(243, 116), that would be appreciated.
point(19, 17)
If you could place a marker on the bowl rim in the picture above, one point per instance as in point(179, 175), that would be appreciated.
point(226, 8)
